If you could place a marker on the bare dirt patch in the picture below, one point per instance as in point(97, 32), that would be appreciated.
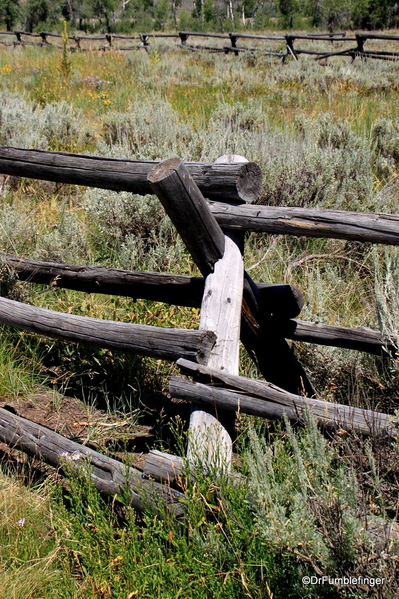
point(119, 436)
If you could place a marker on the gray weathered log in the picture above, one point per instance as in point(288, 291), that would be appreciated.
point(241, 182)
point(187, 209)
point(284, 301)
point(309, 222)
point(165, 467)
point(167, 344)
point(170, 288)
point(264, 399)
point(172, 469)
point(108, 475)
point(360, 338)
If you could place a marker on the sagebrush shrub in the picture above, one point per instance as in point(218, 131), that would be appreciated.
point(25, 124)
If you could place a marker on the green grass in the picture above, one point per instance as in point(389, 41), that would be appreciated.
point(297, 515)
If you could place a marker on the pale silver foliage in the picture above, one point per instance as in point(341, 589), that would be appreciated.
point(27, 125)
point(303, 499)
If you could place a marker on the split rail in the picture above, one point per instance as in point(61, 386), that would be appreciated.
point(280, 46)
point(233, 308)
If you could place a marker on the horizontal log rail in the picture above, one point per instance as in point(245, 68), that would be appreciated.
point(263, 399)
point(284, 301)
point(310, 222)
point(234, 181)
point(332, 416)
point(108, 475)
point(163, 343)
point(360, 338)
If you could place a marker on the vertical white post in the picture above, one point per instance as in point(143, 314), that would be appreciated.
point(209, 443)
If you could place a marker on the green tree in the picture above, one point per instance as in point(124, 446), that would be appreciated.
point(375, 14)
point(331, 14)
point(104, 9)
point(9, 13)
point(162, 13)
point(287, 9)
point(41, 11)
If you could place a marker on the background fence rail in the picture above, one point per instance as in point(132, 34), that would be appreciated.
point(77, 42)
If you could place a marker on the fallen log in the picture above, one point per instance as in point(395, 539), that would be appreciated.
point(172, 469)
point(236, 181)
point(309, 222)
point(284, 301)
point(167, 344)
point(360, 338)
point(108, 475)
point(268, 401)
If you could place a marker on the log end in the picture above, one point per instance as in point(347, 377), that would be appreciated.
point(162, 170)
point(249, 182)
point(283, 301)
point(204, 350)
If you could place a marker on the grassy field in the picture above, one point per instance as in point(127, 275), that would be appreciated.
point(324, 136)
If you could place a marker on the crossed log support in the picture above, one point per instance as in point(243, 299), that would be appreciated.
point(231, 307)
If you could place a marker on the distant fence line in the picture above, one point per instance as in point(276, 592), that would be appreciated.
point(356, 43)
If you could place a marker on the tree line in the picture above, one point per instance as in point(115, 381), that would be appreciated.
point(125, 16)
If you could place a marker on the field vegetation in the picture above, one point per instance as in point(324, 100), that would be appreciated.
point(324, 136)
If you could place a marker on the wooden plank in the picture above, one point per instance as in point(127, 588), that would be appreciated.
point(187, 209)
point(269, 401)
point(167, 344)
point(209, 442)
point(240, 182)
point(309, 222)
point(360, 338)
point(284, 301)
point(108, 475)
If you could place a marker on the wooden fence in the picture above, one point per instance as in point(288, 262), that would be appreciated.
point(233, 308)
point(282, 46)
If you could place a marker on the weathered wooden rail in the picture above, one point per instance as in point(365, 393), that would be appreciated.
point(237, 181)
point(112, 41)
point(233, 307)
point(285, 301)
point(158, 342)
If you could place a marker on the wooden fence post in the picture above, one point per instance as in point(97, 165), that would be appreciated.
point(290, 46)
point(220, 260)
point(210, 443)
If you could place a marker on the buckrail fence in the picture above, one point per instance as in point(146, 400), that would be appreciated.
point(280, 46)
point(209, 204)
